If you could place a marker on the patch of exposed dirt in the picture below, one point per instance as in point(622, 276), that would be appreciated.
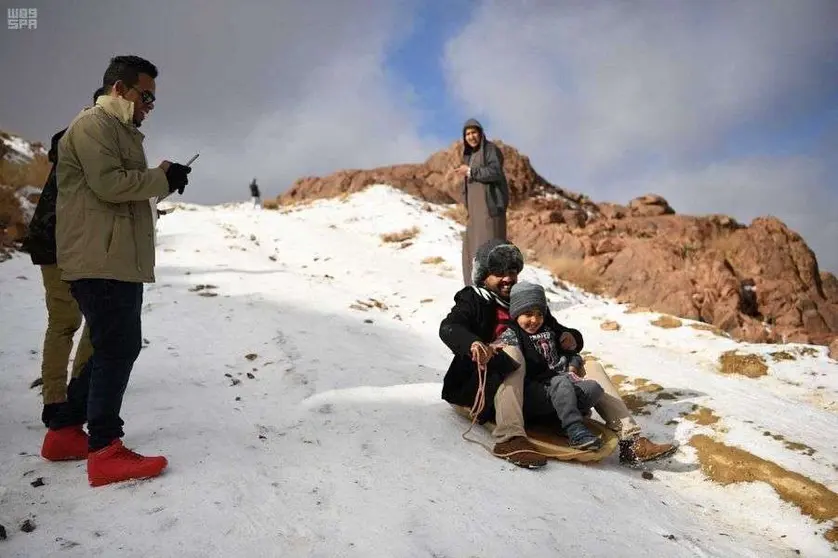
point(793, 446)
point(703, 416)
point(433, 260)
point(636, 404)
point(645, 386)
point(639, 394)
point(807, 352)
point(618, 379)
point(694, 408)
point(711, 328)
point(748, 365)
point(456, 213)
point(400, 236)
point(637, 309)
point(365, 305)
point(633, 392)
point(667, 322)
point(781, 356)
point(609, 325)
point(727, 465)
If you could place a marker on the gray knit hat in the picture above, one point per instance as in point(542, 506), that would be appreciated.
point(496, 257)
point(526, 296)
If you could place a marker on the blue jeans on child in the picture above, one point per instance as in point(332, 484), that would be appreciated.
point(562, 396)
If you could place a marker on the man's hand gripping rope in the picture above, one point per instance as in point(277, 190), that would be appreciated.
point(481, 354)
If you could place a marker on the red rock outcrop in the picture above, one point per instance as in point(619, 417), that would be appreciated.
point(18, 168)
point(12, 227)
point(431, 181)
point(759, 283)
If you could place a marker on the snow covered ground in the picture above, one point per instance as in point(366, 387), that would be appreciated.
point(292, 374)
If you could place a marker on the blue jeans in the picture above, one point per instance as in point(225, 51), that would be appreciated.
point(112, 310)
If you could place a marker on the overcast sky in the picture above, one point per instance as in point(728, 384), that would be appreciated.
point(720, 106)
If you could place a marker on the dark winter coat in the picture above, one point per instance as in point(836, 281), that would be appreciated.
point(538, 369)
point(471, 319)
point(40, 239)
point(486, 163)
point(254, 190)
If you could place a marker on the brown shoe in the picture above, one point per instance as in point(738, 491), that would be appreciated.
point(521, 452)
point(642, 449)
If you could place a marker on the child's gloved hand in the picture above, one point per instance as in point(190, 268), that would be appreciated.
point(576, 372)
point(567, 341)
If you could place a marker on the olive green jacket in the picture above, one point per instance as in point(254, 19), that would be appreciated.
point(104, 224)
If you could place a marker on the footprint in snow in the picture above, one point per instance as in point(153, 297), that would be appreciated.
point(367, 450)
point(66, 544)
point(167, 524)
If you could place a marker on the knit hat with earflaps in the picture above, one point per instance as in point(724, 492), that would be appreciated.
point(496, 257)
point(526, 296)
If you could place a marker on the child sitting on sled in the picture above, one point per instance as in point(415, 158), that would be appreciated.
point(554, 368)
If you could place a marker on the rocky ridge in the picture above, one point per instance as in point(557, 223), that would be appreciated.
point(758, 283)
point(23, 170)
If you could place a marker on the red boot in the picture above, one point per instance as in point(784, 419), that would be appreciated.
point(65, 444)
point(116, 463)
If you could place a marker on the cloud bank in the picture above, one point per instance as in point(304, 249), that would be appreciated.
point(618, 99)
point(274, 90)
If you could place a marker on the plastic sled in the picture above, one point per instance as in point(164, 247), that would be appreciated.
point(549, 440)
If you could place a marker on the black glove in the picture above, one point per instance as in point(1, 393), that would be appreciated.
point(176, 175)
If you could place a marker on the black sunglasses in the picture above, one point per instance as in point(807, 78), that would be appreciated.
point(147, 96)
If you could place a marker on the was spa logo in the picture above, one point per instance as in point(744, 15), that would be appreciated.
point(22, 18)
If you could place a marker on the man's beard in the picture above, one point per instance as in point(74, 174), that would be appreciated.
point(498, 292)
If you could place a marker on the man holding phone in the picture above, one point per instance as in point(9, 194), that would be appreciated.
point(155, 212)
point(105, 250)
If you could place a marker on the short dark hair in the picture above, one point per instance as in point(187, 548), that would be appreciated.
point(98, 93)
point(127, 69)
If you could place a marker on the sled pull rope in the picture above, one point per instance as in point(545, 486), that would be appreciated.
point(477, 408)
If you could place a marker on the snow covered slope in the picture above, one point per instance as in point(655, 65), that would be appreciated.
point(292, 374)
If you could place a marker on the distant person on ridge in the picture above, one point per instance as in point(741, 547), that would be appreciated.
point(256, 197)
point(63, 315)
point(105, 249)
point(485, 193)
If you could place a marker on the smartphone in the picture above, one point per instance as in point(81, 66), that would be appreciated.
point(192, 160)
